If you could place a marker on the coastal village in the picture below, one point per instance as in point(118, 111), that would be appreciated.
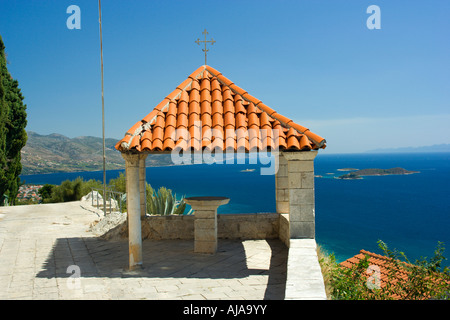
point(29, 193)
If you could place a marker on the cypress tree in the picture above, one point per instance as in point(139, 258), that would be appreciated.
point(3, 112)
point(13, 136)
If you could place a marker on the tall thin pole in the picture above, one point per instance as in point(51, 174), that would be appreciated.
point(103, 108)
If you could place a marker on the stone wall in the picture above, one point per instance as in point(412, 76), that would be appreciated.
point(230, 226)
point(248, 226)
point(168, 227)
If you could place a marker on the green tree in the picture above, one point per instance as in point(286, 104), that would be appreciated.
point(46, 192)
point(13, 136)
point(118, 184)
point(3, 162)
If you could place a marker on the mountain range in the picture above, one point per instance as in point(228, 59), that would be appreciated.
point(58, 153)
point(434, 148)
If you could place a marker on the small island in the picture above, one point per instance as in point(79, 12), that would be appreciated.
point(375, 172)
point(349, 176)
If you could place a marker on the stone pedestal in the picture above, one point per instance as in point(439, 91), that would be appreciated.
point(205, 225)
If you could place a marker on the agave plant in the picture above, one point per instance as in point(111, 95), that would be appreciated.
point(163, 202)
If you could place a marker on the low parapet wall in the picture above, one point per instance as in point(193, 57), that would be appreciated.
point(172, 227)
point(229, 226)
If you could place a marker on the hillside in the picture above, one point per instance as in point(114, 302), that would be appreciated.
point(58, 153)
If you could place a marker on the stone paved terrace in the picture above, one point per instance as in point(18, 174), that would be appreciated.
point(39, 242)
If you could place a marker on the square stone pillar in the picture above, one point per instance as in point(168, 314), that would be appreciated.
point(132, 165)
point(281, 185)
point(205, 224)
point(142, 177)
point(295, 192)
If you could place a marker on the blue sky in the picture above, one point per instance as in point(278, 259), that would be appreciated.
point(315, 62)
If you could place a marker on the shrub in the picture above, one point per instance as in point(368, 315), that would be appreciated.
point(86, 186)
point(163, 202)
point(118, 184)
point(68, 190)
point(348, 284)
point(46, 192)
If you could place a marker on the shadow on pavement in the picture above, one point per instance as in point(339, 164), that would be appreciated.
point(95, 257)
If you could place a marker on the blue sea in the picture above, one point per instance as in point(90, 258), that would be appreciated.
point(410, 213)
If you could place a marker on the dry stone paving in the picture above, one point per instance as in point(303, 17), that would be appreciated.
point(48, 252)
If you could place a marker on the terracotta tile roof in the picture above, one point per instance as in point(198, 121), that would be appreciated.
point(384, 264)
point(207, 110)
point(374, 259)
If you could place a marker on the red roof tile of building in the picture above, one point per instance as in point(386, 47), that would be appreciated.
point(207, 110)
point(384, 265)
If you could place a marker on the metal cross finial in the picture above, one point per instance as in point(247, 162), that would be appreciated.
point(205, 41)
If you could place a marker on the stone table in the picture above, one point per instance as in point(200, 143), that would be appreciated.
point(205, 225)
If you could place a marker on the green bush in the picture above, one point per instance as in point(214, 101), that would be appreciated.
point(68, 190)
point(162, 202)
point(118, 184)
point(46, 192)
point(86, 186)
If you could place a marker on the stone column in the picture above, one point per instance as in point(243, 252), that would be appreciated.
point(132, 162)
point(281, 185)
point(299, 193)
point(142, 180)
point(205, 224)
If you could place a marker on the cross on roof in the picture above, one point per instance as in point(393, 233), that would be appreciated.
point(205, 41)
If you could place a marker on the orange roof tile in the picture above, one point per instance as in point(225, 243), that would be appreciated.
point(378, 261)
point(384, 264)
point(215, 113)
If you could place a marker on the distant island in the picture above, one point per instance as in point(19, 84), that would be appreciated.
point(358, 174)
point(349, 176)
